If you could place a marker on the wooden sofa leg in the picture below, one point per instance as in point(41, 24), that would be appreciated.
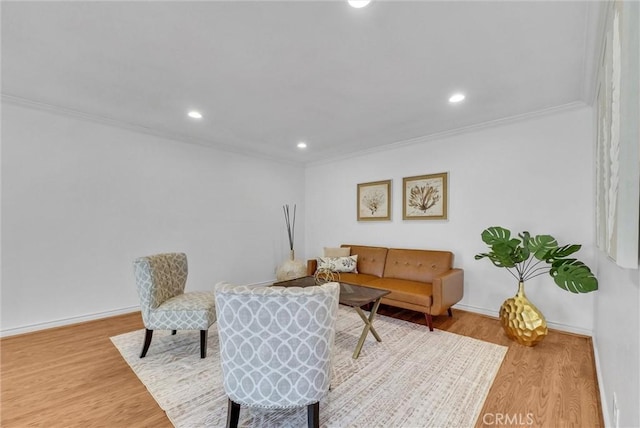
point(429, 321)
point(450, 312)
point(147, 341)
point(203, 343)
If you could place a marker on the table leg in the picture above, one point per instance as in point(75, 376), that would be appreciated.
point(368, 326)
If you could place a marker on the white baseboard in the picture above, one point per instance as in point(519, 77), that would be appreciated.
point(554, 325)
point(570, 329)
point(477, 310)
point(603, 395)
point(89, 317)
point(66, 321)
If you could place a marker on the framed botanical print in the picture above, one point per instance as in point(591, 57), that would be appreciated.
point(374, 201)
point(425, 197)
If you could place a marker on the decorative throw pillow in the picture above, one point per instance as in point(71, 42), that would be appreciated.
point(339, 264)
point(337, 252)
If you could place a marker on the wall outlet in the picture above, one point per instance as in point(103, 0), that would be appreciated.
point(616, 412)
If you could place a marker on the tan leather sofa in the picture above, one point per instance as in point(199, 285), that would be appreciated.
point(419, 280)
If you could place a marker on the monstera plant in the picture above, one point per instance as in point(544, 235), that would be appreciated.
point(526, 257)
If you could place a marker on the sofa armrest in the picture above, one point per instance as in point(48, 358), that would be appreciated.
point(448, 290)
point(312, 265)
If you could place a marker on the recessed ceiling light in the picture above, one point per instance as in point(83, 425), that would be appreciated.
point(456, 98)
point(302, 145)
point(195, 114)
point(359, 3)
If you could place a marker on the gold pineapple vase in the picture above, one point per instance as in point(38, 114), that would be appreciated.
point(521, 320)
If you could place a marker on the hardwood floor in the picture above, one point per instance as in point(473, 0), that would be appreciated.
point(551, 385)
point(74, 377)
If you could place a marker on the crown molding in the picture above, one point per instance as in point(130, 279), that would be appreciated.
point(133, 127)
point(455, 132)
point(161, 133)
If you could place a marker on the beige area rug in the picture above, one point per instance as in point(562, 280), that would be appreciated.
point(413, 378)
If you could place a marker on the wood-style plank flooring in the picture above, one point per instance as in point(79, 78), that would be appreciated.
point(553, 384)
point(74, 377)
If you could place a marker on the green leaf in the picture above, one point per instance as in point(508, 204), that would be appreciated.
point(525, 237)
point(495, 235)
point(506, 254)
point(502, 248)
point(521, 254)
point(513, 243)
point(503, 261)
point(561, 252)
point(499, 260)
point(540, 245)
point(574, 276)
point(505, 251)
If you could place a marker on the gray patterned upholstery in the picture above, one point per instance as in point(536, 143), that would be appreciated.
point(276, 343)
point(161, 280)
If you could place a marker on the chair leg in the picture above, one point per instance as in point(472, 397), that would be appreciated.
point(147, 341)
point(233, 414)
point(203, 343)
point(429, 321)
point(173, 332)
point(313, 415)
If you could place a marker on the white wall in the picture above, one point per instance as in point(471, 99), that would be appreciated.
point(533, 175)
point(81, 200)
point(617, 318)
point(617, 339)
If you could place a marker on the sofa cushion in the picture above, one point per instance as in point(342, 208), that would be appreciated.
point(405, 291)
point(417, 265)
point(370, 259)
point(339, 264)
point(337, 252)
point(356, 278)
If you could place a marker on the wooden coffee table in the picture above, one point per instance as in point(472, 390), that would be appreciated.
point(351, 295)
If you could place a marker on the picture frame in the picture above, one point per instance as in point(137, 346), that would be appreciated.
point(425, 197)
point(374, 201)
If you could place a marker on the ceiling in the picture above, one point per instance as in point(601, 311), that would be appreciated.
point(266, 75)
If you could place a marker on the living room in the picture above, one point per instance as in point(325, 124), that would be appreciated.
point(84, 194)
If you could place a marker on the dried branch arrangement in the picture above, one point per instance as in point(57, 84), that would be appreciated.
point(291, 223)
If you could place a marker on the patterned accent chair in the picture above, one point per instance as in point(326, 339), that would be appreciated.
point(276, 345)
point(160, 280)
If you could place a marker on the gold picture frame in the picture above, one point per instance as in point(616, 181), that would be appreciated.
point(425, 197)
point(374, 201)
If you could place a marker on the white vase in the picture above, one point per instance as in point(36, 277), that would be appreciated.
point(291, 268)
